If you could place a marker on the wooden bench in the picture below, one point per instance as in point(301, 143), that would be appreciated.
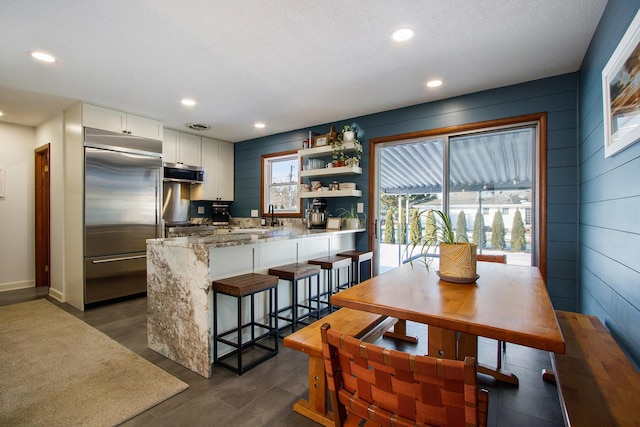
point(365, 326)
point(597, 384)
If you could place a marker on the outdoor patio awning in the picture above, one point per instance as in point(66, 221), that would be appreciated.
point(492, 161)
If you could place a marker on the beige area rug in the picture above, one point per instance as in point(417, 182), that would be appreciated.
point(55, 370)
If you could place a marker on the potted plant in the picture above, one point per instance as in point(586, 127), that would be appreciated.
point(337, 145)
point(348, 134)
point(351, 218)
point(457, 258)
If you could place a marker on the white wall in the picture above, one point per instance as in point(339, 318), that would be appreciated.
point(51, 132)
point(17, 217)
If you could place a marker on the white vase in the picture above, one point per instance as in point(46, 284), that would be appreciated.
point(348, 136)
point(353, 223)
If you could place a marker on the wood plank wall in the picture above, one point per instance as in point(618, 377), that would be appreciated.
point(556, 95)
point(609, 203)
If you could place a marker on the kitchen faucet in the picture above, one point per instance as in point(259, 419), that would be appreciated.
point(274, 222)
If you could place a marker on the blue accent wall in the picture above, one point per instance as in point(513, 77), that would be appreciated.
point(557, 96)
point(609, 200)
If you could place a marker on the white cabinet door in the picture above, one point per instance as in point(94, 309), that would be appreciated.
point(144, 127)
point(170, 146)
point(103, 118)
point(118, 121)
point(180, 147)
point(217, 159)
point(210, 164)
point(189, 150)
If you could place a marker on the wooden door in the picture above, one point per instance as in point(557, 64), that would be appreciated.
point(42, 215)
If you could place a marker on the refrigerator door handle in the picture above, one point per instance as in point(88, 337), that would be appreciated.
point(125, 258)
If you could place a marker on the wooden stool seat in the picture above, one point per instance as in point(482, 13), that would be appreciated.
point(357, 258)
point(246, 285)
point(294, 273)
point(331, 264)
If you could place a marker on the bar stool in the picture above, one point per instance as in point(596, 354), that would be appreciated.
point(294, 273)
point(240, 287)
point(330, 264)
point(357, 258)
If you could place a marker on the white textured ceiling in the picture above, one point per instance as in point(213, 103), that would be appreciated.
point(288, 63)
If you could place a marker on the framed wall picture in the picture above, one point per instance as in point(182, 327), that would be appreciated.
point(621, 92)
point(320, 140)
point(333, 223)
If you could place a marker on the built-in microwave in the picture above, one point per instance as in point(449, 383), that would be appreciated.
point(183, 173)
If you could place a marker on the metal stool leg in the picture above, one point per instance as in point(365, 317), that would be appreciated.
point(239, 299)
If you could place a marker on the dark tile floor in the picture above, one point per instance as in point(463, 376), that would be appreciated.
point(265, 395)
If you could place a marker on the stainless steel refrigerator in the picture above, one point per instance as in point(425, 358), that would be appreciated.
point(122, 200)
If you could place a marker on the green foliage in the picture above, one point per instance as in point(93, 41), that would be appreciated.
point(498, 231)
point(461, 227)
point(402, 227)
point(438, 230)
point(415, 227)
point(338, 147)
point(349, 213)
point(388, 227)
point(478, 230)
point(518, 241)
point(430, 230)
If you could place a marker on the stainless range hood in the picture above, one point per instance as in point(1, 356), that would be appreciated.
point(175, 203)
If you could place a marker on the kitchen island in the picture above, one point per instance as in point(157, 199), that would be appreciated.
point(180, 270)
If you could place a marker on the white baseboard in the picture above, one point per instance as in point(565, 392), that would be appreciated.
point(56, 294)
point(13, 286)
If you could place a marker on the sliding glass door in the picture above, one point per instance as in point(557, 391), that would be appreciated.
point(405, 190)
point(484, 180)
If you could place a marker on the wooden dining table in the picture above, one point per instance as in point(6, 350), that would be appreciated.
point(507, 302)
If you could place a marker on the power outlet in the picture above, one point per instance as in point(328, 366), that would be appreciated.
point(360, 208)
point(200, 210)
point(254, 213)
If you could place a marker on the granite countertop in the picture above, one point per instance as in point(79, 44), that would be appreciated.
point(245, 237)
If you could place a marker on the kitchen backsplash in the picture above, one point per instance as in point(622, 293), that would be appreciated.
point(195, 204)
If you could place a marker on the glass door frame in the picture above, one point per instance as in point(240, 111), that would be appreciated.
point(539, 257)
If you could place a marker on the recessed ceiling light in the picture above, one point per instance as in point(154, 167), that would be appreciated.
point(41, 56)
point(434, 83)
point(260, 125)
point(188, 102)
point(1, 114)
point(402, 35)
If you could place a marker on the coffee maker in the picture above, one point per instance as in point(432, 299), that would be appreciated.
point(317, 214)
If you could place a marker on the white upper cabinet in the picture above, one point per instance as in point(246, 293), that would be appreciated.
point(121, 122)
point(217, 159)
point(178, 147)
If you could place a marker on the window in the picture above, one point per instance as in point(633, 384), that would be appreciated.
point(486, 175)
point(281, 183)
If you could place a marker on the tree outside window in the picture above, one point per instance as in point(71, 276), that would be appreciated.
point(281, 183)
